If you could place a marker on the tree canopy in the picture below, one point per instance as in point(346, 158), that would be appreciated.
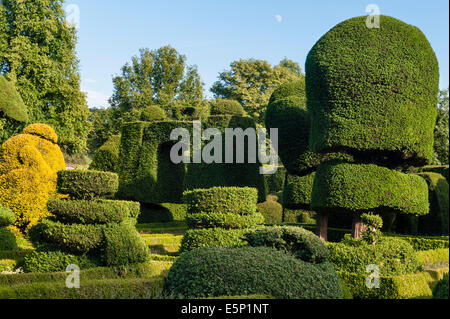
point(37, 52)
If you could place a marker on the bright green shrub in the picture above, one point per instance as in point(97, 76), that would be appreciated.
point(301, 243)
point(107, 155)
point(80, 184)
point(443, 170)
point(441, 289)
point(226, 107)
point(422, 243)
point(213, 272)
point(436, 222)
point(11, 103)
point(92, 212)
point(296, 216)
point(272, 211)
point(366, 187)
point(211, 237)
point(433, 257)
point(373, 90)
point(7, 216)
point(162, 213)
point(55, 261)
point(393, 256)
point(224, 220)
point(152, 113)
point(231, 200)
point(297, 192)
point(7, 240)
point(123, 245)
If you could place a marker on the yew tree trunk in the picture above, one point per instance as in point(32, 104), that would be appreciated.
point(358, 226)
point(322, 226)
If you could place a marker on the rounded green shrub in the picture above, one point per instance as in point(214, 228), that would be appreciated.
point(80, 184)
point(297, 192)
point(91, 212)
point(393, 256)
point(7, 240)
point(11, 103)
point(211, 237)
point(272, 211)
point(436, 222)
point(153, 113)
point(343, 187)
point(224, 220)
point(300, 242)
point(441, 289)
point(107, 155)
point(55, 261)
point(7, 216)
point(224, 200)
point(373, 90)
point(213, 272)
point(226, 107)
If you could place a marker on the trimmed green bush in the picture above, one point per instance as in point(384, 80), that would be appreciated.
point(421, 243)
point(162, 213)
point(439, 169)
point(434, 257)
point(343, 187)
point(441, 289)
point(232, 200)
point(107, 155)
point(55, 261)
point(11, 103)
point(213, 272)
point(92, 212)
point(393, 256)
point(7, 216)
point(211, 237)
point(436, 222)
point(226, 107)
point(7, 240)
point(299, 216)
point(153, 113)
point(275, 182)
point(301, 243)
point(272, 212)
point(224, 220)
point(297, 192)
point(87, 185)
point(373, 90)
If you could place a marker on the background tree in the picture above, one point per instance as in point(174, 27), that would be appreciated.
point(37, 53)
point(441, 132)
point(251, 82)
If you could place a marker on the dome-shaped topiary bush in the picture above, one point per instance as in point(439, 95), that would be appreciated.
point(11, 103)
point(297, 192)
point(214, 272)
point(373, 90)
point(153, 113)
point(107, 155)
point(226, 107)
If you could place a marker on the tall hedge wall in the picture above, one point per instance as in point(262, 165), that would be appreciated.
point(373, 90)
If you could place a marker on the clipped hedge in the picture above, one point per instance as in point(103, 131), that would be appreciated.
point(226, 107)
point(43, 131)
point(439, 169)
point(152, 113)
point(7, 216)
point(297, 192)
point(107, 155)
point(211, 237)
point(362, 99)
point(162, 213)
point(7, 240)
point(436, 222)
point(55, 261)
point(344, 187)
point(224, 220)
point(301, 243)
point(214, 272)
point(421, 243)
point(275, 182)
point(221, 200)
point(11, 103)
point(434, 257)
point(272, 211)
point(92, 212)
point(440, 291)
point(88, 185)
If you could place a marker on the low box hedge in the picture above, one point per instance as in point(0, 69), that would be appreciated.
point(224, 220)
point(423, 242)
point(212, 237)
point(434, 257)
point(81, 184)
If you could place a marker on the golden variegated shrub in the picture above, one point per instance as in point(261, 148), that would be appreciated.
point(28, 166)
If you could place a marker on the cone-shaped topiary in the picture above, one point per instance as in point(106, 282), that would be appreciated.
point(373, 91)
point(107, 155)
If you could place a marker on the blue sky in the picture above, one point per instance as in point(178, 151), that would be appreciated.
point(213, 33)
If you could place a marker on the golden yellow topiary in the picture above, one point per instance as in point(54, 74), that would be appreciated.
point(28, 166)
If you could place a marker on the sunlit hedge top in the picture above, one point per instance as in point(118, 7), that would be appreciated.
point(11, 104)
point(373, 90)
point(42, 130)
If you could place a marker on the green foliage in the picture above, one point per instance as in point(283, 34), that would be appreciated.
point(54, 261)
point(301, 243)
point(436, 222)
point(213, 272)
point(421, 243)
point(373, 224)
point(123, 246)
point(162, 213)
point(251, 82)
point(441, 289)
point(156, 77)
point(107, 155)
point(441, 131)
point(152, 113)
point(361, 98)
point(367, 187)
point(272, 211)
point(105, 123)
point(221, 200)
point(11, 103)
point(7, 216)
point(439, 169)
point(80, 184)
point(275, 182)
point(434, 257)
point(7, 240)
point(224, 220)
point(92, 212)
point(38, 55)
point(297, 192)
point(211, 237)
point(393, 256)
point(226, 107)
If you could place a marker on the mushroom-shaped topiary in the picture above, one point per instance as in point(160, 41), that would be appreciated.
point(372, 92)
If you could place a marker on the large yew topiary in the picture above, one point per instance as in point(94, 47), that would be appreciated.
point(373, 92)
